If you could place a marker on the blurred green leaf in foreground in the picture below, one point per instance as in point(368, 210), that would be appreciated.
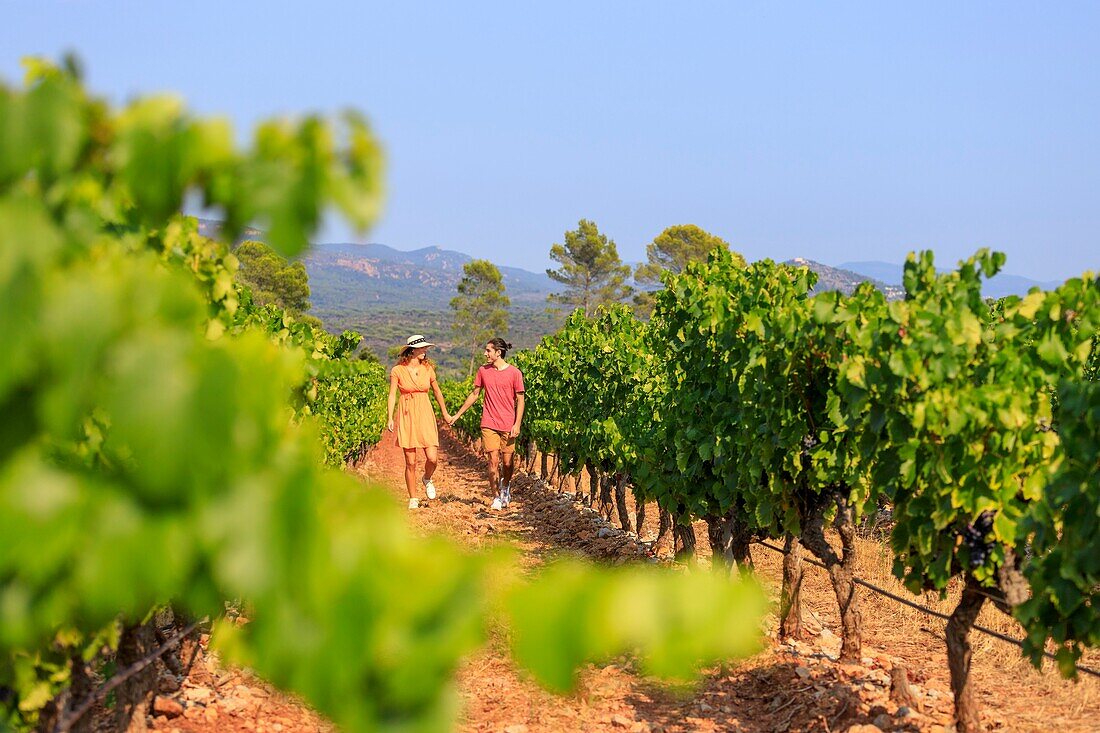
point(159, 440)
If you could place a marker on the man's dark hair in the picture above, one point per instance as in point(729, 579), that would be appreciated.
point(500, 345)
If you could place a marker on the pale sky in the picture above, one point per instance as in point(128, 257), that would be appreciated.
point(832, 131)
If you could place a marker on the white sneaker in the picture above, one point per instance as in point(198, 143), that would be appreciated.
point(414, 503)
point(497, 505)
point(429, 487)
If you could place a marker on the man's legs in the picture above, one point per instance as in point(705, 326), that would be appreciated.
point(490, 444)
point(494, 472)
point(507, 469)
point(494, 443)
point(508, 466)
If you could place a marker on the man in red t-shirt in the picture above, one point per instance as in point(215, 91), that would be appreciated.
point(501, 415)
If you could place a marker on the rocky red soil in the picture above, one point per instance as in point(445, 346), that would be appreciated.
point(791, 686)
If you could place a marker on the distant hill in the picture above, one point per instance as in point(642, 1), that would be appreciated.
point(387, 294)
point(375, 273)
point(844, 280)
point(996, 287)
point(379, 274)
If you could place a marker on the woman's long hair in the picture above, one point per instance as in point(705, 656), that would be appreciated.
point(406, 355)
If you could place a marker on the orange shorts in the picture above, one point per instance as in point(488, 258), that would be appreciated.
point(497, 440)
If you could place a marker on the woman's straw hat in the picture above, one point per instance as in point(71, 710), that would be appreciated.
point(417, 341)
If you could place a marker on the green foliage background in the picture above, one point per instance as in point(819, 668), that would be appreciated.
point(455, 393)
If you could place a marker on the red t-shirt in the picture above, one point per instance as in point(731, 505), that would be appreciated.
point(501, 386)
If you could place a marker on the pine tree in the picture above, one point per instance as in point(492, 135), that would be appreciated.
point(671, 251)
point(481, 307)
point(272, 278)
point(590, 269)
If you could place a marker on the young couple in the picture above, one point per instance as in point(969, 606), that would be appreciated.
point(501, 415)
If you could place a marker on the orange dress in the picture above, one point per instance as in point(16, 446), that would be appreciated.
point(416, 427)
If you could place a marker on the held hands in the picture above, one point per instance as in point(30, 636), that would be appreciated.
point(514, 432)
point(452, 419)
point(389, 425)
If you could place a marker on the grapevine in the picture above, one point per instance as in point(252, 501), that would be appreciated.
point(767, 412)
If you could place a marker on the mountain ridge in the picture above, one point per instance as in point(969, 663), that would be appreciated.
point(381, 270)
point(385, 293)
point(436, 269)
point(998, 286)
point(843, 279)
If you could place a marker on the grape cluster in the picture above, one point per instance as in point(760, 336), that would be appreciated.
point(808, 444)
point(975, 536)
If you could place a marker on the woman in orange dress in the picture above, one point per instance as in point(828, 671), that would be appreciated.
point(413, 377)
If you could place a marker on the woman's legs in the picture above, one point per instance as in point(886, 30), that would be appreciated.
point(410, 471)
point(431, 458)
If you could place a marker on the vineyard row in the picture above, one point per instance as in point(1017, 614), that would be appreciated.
point(773, 414)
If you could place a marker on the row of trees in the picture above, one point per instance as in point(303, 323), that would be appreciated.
point(772, 414)
point(591, 271)
point(594, 275)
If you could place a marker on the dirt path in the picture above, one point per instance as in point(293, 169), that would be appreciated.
point(788, 687)
point(793, 687)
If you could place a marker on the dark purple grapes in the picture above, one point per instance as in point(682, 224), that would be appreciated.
point(975, 536)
